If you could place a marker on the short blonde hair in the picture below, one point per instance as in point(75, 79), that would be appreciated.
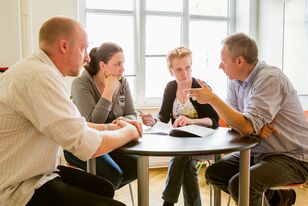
point(178, 52)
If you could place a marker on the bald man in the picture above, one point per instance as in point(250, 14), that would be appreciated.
point(37, 118)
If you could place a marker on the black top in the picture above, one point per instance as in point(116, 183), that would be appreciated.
point(203, 110)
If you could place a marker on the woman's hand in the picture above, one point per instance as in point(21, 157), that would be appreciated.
point(119, 118)
point(113, 126)
point(111, 83)
point(147, 119)
point(182, 121)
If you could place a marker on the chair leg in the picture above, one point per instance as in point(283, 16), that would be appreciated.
point(263, 199)
point(131, 194)
point(211, 195)
point(199, 166)
point(229, 200)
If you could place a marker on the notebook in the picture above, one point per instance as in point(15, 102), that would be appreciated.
point(184, 131)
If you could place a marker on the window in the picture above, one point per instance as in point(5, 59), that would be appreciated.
point(295, 39)
point(148, 29)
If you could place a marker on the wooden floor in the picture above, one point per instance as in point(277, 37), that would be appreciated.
point(157, 181)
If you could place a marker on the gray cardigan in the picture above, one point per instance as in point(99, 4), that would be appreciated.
point(97, 109)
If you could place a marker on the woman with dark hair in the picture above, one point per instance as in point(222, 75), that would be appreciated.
point(102, 95)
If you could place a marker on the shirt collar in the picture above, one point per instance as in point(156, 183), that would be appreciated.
point(43, 57)
point(251, 77)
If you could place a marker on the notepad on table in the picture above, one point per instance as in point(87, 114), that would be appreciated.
point(184, 131)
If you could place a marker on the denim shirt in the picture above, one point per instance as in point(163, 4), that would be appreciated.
point(267, 95)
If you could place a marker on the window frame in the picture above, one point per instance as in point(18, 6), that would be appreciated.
point(139, 17)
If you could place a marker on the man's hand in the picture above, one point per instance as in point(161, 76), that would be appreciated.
point(202, 95)
point(132, 122)
point(132, 130)
point(267, 130)
point(182, 121)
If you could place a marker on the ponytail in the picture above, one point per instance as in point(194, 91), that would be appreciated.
point(92, 66)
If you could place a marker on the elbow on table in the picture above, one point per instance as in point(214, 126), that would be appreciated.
point(245, 132)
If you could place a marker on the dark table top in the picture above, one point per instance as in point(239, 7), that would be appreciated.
point(223, 140)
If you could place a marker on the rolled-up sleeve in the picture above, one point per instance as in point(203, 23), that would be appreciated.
point(266, 97)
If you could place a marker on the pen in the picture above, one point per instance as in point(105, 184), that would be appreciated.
point(140, 112)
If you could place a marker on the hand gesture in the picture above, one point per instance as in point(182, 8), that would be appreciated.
point(182, 121)
point(202, 95)
point(147, 119)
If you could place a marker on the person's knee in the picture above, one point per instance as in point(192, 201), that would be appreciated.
point(234, 186)
point(210, 174)
point(116, 178)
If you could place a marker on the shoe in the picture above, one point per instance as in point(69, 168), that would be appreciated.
point(284, 197)
point(166, 203)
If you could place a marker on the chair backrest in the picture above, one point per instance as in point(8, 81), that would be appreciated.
point(306, 114)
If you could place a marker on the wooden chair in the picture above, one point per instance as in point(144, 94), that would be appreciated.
point(306, 114)
point(300, 185)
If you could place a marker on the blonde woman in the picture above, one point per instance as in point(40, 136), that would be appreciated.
point(181, 110)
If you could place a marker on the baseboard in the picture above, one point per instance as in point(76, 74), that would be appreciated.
point(156, 162)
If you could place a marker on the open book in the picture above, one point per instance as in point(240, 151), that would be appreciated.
point(185, 131)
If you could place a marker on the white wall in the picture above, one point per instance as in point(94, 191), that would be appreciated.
point(41, 10)
point(10, 51)
point(20, 21)
point(270, 30)
point(246, 20)
point(270, 35)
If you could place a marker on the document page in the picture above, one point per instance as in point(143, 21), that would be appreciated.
point(185, 131)
point(158, 128)
point(191, 130)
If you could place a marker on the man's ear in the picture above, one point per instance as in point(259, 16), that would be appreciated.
point(240, 61)
point(63, 45)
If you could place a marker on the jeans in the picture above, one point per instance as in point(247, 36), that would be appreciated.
point(182, 172)
point(271, 171)
point(119, 169)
